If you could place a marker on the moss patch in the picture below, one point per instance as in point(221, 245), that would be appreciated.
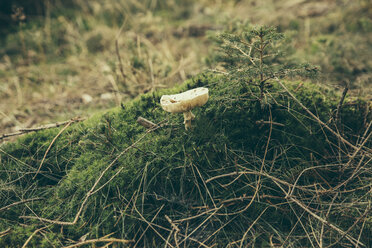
point(213, 181)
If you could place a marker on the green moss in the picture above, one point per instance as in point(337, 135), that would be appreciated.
point(166, 172)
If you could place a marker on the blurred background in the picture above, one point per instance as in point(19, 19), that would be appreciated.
point(64, 58)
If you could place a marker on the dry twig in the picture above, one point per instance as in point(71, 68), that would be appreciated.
point(317, 119)
point(32, 235)
point(20, 202)
point(346, 89)
point(35, 129)
point(50, 146)
point(92, 241)
point(145, 123)
point(6, 232)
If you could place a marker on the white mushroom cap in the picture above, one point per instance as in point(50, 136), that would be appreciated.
point(184, 101)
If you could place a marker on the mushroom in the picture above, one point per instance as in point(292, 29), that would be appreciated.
point(184, 102)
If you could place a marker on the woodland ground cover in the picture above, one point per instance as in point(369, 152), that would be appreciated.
point(272, 159)
point(247, 174)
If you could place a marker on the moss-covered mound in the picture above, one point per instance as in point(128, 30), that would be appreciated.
point(251, 172)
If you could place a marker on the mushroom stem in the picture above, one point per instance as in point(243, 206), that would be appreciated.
point(188, 116)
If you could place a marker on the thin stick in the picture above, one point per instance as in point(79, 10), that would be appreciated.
point(20, 202)
point(117, 49)
point(6, 232)
point(195, 216)
point(346, 89)
point(92, 241)
point(315, 117)
point(152, 75)
point(145, 123)
point(205, 184)
point(7, 135)
point(250, 227)
point(50, 146)
point(201, 224)
point(343, 233)
point(270, 122)
point(175, 233)
point(35, 129)
point(33, 234)
point(365, 214)
point(150, 224)
point(152, 220)
point(357, 151)
point(174, 226)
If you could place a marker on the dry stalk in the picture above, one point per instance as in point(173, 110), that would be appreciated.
point(20, 202)
point(151, 225)
point(252, 172)
point(93, 241)
point(201, 224)
point(35, 129)
point(218, 230)
point(346, 89)
point(50, 146)
point(153, 219)
point(250, 227)
point(322, 220)
point(195, 216)
point(117, 49)
point(356, 170)
point(365, 214)
point(32, 235)
point(205, 184)
point(6, 232)
point(145, 123)
point(316, 118)
point(293, 228)
point(175, 230)
point(357, 151)
point(278, 182)
point(326, 216)
point(354, 241)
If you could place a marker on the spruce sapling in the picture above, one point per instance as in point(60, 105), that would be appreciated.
point(257, 56)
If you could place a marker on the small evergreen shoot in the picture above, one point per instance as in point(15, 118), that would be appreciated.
point(257, 55)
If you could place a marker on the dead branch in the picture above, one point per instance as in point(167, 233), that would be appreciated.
point(33, 234)
point(201, 224)
point(20, 202)
point(6, 232)
point(92, 241)
point(250, 227)
point(153, 225)
point(343, 233)
point(35, 129)
point(152, 220)
point(145, 123)
point(317, 119)
point(150, 224)
point(358, 150)
point(117, 49)
point(50, 146)
point(346, 89)
point(363, 216)
point(260, 122)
